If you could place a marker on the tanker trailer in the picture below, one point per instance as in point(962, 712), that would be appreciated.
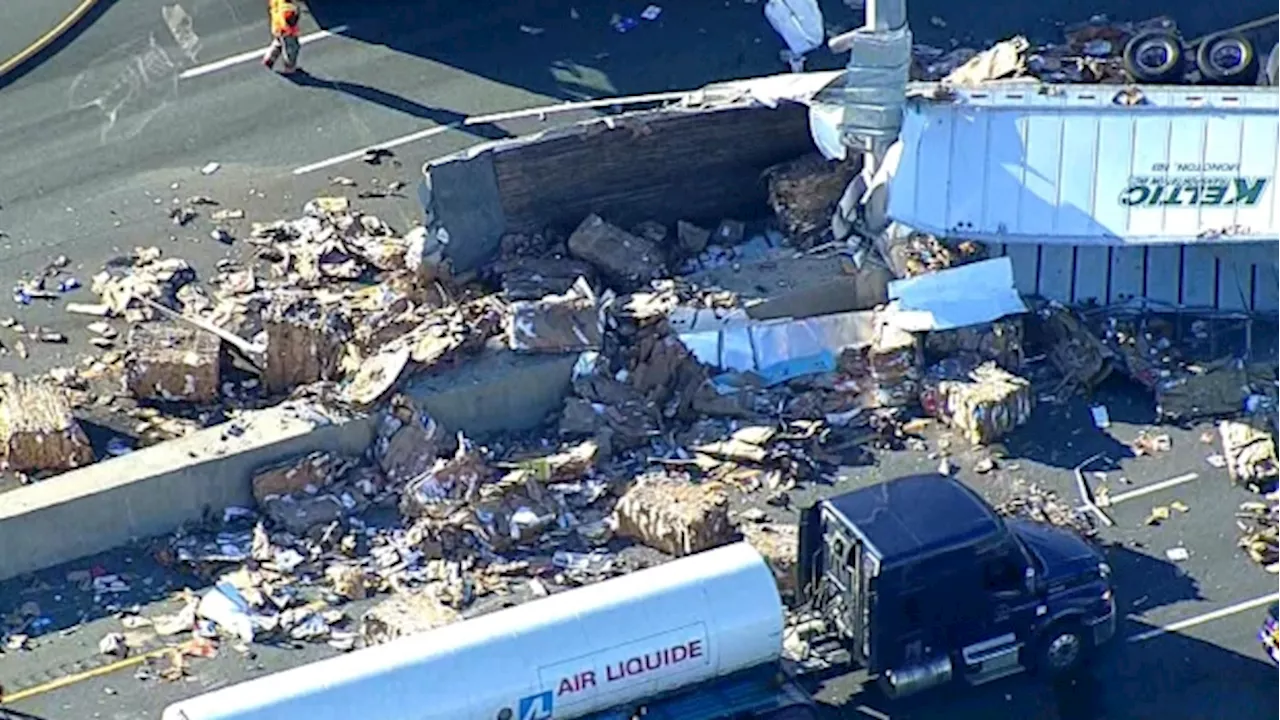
point(698, 638)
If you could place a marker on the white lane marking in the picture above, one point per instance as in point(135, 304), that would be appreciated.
point(412, 137)
point(1153, 487)
point(1207, 617)
point(254, 54)
point(1109, 500)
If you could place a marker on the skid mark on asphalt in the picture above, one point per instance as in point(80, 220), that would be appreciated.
point(130, 85)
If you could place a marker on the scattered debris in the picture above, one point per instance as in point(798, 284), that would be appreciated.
point(1249, 455)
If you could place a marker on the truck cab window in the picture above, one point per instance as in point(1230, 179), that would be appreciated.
point(1001, 574)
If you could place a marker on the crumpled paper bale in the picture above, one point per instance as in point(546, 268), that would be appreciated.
point(450, 483)
point(1250, 454)
point(309, 473)
point(173, 362)
point(408, 440)
point(306, 341)
point(803, 194)
point(38, 430)
point(405, 614)
point(983, 403)
point(572, 322)
point(675, 518)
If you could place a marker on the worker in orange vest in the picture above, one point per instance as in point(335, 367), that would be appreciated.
point(284, 35)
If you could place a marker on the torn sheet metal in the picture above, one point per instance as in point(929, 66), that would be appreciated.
point(971, 294)
point(777, 350)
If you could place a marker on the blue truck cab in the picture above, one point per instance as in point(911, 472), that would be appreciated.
point(925, 584)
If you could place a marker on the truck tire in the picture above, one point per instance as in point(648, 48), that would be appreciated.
point(1227, 59)
point(1154, 57)
point(1061, 650)
point(1271, 76)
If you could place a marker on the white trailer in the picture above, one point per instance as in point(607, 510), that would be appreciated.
point(1102, 193)
point(587, 650)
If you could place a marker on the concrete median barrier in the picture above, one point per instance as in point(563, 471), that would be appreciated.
point(153, 491)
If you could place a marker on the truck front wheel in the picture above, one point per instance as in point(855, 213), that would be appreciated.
point(1061, 651)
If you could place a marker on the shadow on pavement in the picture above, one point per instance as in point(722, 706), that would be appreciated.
point(569, 48)
point(1143, 582)
point(1063, 436)
point(392, 101)
point(54, 47)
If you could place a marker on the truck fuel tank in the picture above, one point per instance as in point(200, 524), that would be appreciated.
point(912, 679)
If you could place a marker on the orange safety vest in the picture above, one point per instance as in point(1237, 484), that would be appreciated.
point(281, 11)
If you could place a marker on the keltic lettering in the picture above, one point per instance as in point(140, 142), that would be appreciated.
point(1183, 192)
point(656, 660)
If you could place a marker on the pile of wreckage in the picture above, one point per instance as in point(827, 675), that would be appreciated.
point(680, 402)
point(1090, 52)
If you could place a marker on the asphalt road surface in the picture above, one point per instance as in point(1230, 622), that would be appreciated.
point(100, 138)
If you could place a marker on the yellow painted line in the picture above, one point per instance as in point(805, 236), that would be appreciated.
point(87, 674)
point(44, 40)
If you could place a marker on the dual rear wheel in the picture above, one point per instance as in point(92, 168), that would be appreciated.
point(1225, 59)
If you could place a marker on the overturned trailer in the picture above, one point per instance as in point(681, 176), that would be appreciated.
point(1097, 194)
point(1101, 194)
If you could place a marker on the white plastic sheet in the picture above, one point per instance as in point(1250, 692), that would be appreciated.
point(799, 22)
point(970, 294)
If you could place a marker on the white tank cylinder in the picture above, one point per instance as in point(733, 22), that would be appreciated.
point(560, 657)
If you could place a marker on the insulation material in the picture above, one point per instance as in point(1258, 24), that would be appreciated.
point(779, 544)
point(173, 362)
point(803, 194)
point(38, 431)
point(1000, 342)
point(1250, 454)
point(405, 614)
point(675, 518)
point(624, 257)
point(572, 322)
point(305, 342)
point(983, 403)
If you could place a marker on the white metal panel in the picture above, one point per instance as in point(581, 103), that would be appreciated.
point(1237, 276)
point(1071, 165)
point(576, 652)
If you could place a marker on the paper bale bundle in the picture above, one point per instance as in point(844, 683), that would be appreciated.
point(306, 342)
point(405, 614)
point(676, 518)
point(804, 192)
point(983, 403)
point(38, 431)
point(173, 362)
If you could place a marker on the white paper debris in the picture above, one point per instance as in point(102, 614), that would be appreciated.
point(972, 294)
